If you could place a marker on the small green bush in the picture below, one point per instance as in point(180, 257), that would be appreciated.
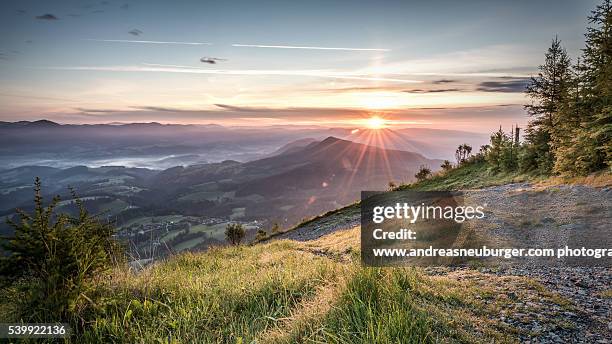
point(52, 259)
point(234, 233)
point(423, 173)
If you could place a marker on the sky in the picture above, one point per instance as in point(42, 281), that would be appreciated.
point(434, 64)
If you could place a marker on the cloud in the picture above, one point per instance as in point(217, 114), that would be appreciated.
point(159, 68)
point(47, 16)
point(474, 118)
point(135, 32)
point(506, 85)
point(360, 89)
point(145, 42)
point(443, 81)
point(158, 108)
point(87, 110)
point(487, 61)
point(211, 60)
point(434, 91)
point(306, 47)
point(125, 6)
point(21, 12)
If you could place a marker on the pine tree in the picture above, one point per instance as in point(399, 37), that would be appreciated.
point(596, 103)
point(548, 92)
point(500, 154)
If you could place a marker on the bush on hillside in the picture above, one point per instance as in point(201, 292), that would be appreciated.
point(261, 235)
point(423, 173)
point(52, 259)
point(446, 166)
point(234, 233)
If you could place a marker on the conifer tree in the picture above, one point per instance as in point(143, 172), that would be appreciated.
point(594, 136)
point(548, 92)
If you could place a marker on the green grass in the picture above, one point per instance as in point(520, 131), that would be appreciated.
point(200, 195)
point(223, 296)
point(469, 176)
point(385, 305)
point(281, 292)
point(214, 231)
point(243, 294)
point(291, 292)
point(146, 220)
point(187, 244)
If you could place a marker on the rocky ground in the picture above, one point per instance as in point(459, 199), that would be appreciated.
point(582, 312)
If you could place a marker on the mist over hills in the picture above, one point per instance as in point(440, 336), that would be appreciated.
point(202, 176)
point(161, 146)
point(298, 182)
point(177, 186)
point(150, 145)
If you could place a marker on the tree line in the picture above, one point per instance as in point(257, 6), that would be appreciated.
point(571, 106)
point(570, 131)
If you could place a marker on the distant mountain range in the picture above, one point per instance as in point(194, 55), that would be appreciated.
point(140, 144)
point(301, 180)
point(161, 146)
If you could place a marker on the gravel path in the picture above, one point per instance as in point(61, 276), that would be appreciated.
point(560, 215)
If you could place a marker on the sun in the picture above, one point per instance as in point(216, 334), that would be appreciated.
point(375, 122)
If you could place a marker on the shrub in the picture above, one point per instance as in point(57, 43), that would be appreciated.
point(446, 166)
point(234, 233)
point(52, 258)
point(261, 235)
point(423, 173)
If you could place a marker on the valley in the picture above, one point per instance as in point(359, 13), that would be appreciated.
point(159, 212)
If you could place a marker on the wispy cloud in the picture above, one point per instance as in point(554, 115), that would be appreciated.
point(463, 118)
point(507, 85)
point(135, 32)
point(161, 68)
point(434, 90)
point(488, 61)
point(47, 16)
point(87, 110)
point(211, 60)
point(306, 47)
point(443, 81)
point(145, 42)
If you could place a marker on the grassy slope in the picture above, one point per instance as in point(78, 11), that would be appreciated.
point(310, 292)
point(470, 176)
point(285, 292)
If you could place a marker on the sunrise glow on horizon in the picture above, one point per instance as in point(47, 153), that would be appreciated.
point(137, 64)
